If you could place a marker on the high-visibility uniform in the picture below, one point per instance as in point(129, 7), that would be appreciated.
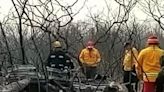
point(129, 63)
point(90, 58)
point(148, 65)
point(59, 59)
point(130, 59)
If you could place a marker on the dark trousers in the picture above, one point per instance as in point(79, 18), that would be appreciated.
point(90, 72)
point(160, 88)
point(130, 78)
point(160, 82)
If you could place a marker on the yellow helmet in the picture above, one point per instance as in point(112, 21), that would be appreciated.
point(56, 44)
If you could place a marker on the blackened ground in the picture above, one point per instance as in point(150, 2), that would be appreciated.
point(33, 87)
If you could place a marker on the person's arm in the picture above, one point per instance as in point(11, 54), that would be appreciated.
point(69, 61)
point(81, 56)
point(135, 53)
point(162, 61)
point(135, 56)
point(123, 58)
point(139, 64)
point(127, 58)
point(98, 57)
point(48, 60)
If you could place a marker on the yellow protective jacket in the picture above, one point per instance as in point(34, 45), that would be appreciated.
point(90, 58)
point(148, 65)
point(130, 59)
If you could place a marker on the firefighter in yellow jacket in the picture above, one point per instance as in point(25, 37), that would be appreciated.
point(148, 65)
point(129, 64)
point(90, 57)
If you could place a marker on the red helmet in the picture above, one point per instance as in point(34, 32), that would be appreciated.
point(90, 44)
point(153, 40)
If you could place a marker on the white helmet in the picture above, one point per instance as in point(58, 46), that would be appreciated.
point(56, 44)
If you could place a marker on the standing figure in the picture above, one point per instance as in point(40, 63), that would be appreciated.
point(148, 65)
point(90, 57)
point(58, 58)
point(129, 64)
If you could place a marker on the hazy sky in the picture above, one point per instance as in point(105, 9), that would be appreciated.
point(93, 5)
point(5, 5)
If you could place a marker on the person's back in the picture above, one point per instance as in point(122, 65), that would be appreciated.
point(58, 58)
point(148, 65)
point(151, 56)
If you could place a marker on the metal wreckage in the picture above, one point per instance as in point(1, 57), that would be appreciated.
point(26, 78)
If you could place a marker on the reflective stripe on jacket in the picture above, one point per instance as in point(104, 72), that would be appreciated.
point(150, 77)
point(149, 62)
point(90, 58)
point(130, 59)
